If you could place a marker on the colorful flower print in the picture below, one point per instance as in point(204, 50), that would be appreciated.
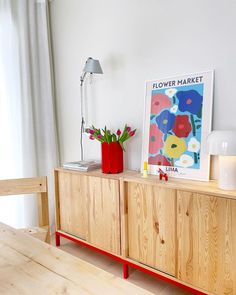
point(185, 161)
point(165, 121)
point(174, 109)
point(190, 101)
point(155, 139)
point(170, 92)
point(159, 102)
point(159, 160)
point(174, 146)
point(193, 145)
point(182, 126)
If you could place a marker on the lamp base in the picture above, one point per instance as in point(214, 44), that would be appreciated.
point(227, 172)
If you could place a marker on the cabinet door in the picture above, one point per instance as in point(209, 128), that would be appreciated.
point(207, 242)
point(103, 213)
point(152, 226)
point(72, 199)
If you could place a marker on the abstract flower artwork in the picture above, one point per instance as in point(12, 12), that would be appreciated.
point(176, 126)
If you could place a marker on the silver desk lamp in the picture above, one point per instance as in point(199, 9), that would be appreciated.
point(92, 66)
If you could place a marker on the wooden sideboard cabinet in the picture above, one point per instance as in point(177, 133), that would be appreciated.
point(206, 231)
point(72, 194)
point(181, 231)
point(88, 208)
point(151, 226)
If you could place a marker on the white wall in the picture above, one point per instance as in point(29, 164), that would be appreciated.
point(138, 40)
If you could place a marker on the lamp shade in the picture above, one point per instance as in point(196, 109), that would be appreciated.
point(222, 143)
point(92, 66)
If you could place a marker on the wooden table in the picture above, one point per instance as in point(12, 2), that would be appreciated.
point(29, 266)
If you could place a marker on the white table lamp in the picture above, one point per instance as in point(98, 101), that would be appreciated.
point(223, 144)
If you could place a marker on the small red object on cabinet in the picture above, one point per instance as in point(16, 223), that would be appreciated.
point(112, 158)
point(162, 174)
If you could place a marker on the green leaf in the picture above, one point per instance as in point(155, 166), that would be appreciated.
point(122, 146)
point(109, 136)
point(193, 125)
point(124, 135)
point(199, 114)
point(152, 116)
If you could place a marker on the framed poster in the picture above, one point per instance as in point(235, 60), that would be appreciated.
point(177, 120)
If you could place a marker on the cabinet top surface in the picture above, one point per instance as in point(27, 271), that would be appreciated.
point(205, 187)
point(96, 173)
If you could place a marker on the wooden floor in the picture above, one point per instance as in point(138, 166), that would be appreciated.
point(138, 278)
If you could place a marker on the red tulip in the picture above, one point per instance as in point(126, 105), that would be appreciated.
point(128, 129)
point(118, 132)
point(91, 131)
point(132, 133)
point(99, 136)
point(91, 137)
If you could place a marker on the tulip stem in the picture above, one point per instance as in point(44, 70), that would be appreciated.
point(193, 125)
point(195, 158)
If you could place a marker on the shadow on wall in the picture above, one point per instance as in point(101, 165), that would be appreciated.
point(114, 64)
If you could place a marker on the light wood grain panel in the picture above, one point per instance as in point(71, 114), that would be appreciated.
point(151, 226)
point(43, 209)
point(40, 233)
point(103, 213)
point(124, 219)
point(204, 187)
point(23, 186)
point(207, 242)
point(29, 266)
point(208, 187)
point(26, 186)
point(97, 173)
point(57, 201)
point(72, 197)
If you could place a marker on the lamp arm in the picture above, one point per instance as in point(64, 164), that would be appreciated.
point(82, 77)
point(81, 139)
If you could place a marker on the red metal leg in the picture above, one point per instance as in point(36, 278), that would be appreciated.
point(126, 264)
point(125, 270)
point(58, 242)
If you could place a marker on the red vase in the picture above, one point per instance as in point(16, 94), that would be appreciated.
point(112, 158)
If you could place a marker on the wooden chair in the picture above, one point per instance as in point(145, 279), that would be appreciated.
point(36, 185)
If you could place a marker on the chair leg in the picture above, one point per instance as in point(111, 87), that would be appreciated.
point(58, 241)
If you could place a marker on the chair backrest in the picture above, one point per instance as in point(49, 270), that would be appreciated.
point(36, 185)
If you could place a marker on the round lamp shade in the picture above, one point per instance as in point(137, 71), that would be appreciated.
point(222, 143)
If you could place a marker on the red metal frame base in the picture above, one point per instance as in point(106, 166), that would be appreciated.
point(127, 263)
point(58, 241)
point(125, 270)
